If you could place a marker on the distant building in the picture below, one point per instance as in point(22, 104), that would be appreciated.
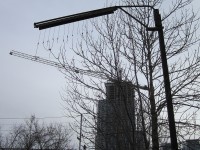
point(186, 145)
point(191, 144)
point(165, 146)
point(116, 118)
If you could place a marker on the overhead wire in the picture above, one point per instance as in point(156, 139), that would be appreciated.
point(38, 43)
point(25, 118)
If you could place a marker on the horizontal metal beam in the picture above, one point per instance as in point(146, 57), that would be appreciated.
point(74, 18)
point(58, 65)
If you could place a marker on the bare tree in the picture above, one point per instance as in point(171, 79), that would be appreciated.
point(118, 48)
point(33, 135)
point(1, 139)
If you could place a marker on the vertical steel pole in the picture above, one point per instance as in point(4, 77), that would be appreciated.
point(80, 132)
point(170, 109)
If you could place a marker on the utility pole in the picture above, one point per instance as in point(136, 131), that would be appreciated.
point(80, 132)
point(170, 109)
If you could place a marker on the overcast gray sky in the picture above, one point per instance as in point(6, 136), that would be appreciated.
point(28, 87)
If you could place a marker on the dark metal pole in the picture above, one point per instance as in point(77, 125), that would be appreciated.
point(172, 127)
point(80, 132)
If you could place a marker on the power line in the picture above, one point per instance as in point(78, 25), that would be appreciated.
point(39, 118)
point(11, 124)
